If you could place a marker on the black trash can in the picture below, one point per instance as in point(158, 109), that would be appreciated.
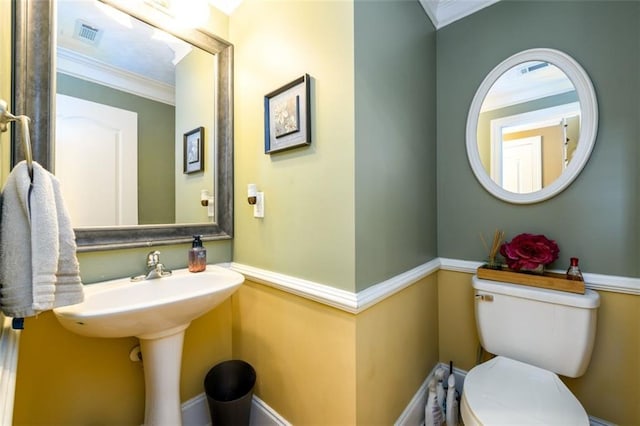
point(229, 388)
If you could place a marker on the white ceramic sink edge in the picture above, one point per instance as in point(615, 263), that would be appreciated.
point(151, 308)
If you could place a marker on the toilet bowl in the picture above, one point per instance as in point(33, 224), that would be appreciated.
point(503, 391)
point(534, 333)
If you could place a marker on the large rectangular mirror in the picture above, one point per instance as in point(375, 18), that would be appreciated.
point(147, 191)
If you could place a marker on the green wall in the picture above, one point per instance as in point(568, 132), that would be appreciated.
point(395, 139)
point(596, 218)
point(156, 123)
point(308, 228)
point(358, 206)
point(195, 107)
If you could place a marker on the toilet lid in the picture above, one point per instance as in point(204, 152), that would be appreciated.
point(503, 391)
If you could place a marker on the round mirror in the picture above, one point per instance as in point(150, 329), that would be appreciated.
point(531, 126)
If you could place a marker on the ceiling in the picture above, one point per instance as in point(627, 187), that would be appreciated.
point(123, 44)
point(444, 12)
point(441, 12)
point(102, 33)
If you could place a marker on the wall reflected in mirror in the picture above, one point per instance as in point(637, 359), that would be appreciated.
point(127, 93)
point(528, 127)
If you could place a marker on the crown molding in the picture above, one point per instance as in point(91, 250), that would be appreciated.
point(89, 69)
point(444, 12)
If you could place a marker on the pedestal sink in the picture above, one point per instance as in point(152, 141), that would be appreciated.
point(157, 312)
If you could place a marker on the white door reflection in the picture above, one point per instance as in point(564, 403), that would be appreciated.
point(557, 129)
point(522, 165)
point(96, 161)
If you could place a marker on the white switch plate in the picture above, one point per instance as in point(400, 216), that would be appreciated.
point(258, 207)
point(210, 210)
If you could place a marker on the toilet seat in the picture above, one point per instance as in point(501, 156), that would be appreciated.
point(503, 391)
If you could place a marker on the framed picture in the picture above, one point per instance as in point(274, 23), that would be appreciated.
point(287, 116)
point(194, 151)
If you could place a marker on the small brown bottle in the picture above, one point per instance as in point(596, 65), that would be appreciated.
point(197, 255)
point(573, 273)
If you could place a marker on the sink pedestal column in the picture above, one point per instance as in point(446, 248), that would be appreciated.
point(161, 360)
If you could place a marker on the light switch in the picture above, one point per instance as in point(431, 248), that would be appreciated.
point(210, 210)
point(258, 207)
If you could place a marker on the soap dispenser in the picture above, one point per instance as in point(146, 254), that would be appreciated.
point(197, 255)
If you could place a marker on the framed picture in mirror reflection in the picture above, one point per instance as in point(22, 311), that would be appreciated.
point(193, 155)
point(287, 116)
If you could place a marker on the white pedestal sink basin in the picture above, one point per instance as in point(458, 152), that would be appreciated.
point(157, 312)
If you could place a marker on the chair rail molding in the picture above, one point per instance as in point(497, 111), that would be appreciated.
point(357, 302)
point(347, 301)
point(612, 283)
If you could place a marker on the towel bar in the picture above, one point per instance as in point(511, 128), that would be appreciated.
point(5, 118)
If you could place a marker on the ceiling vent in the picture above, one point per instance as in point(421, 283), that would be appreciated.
point(531, 68)
point(87, 33)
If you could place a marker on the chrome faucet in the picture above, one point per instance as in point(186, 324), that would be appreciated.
point(155, 269)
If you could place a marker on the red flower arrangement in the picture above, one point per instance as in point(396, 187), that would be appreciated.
point(528, 251)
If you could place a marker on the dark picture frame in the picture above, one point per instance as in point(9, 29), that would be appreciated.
point(287, 116)
point(193, 151)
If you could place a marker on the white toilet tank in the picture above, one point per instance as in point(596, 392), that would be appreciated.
point(550, 329)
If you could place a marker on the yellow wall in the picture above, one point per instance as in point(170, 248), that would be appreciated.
point(75, 380)
point(67, 379)
point(303, 353)
point(319, 365)
point(610, 389)
point(458, 338)
point(396, 348)
point(308, 228)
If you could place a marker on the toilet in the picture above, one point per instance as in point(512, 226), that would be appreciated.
point(535, 334)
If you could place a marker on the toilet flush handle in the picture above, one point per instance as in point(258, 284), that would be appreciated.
point(485, 297)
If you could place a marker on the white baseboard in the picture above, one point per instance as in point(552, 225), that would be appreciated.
point(594, 421)
point(413, 415)
point(195, 412)
point(9, 344)
point(262, 414)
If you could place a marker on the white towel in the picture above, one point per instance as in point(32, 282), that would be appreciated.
point(38, 265)
point(69, 290)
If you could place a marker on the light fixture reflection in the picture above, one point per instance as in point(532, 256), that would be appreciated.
point(190, 13)
point(116, 15)
point(187, 13)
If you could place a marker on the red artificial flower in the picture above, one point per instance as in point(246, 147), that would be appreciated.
point(528, 251)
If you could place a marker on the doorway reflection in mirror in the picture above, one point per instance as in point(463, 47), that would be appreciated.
point(528, 127)
point(113, 60)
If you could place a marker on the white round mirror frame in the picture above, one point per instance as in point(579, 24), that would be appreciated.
point(588, 124)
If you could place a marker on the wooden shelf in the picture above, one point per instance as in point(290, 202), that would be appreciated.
point(548, 280)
